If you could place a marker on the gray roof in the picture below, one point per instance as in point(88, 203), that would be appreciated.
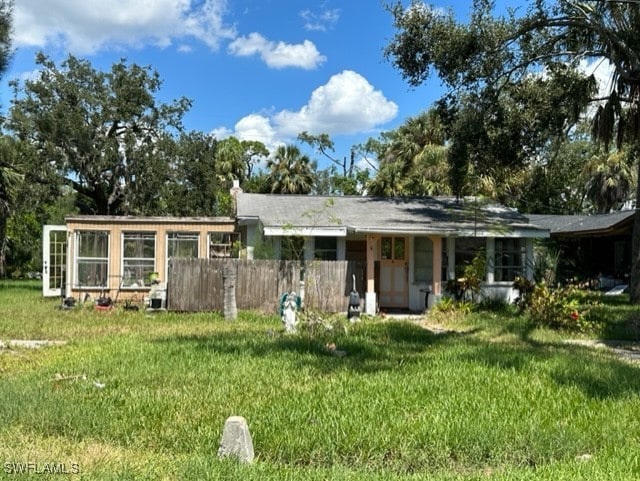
point(444, 215)
point(577, 224)
point(131, 219)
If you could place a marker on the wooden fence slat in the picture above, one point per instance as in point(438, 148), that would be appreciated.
point(197, 284)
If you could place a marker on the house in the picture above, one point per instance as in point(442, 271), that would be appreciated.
point(592, 247)
point(410, 245)
point(121, 256)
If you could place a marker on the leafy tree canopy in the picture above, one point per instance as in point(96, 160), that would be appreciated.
point(97, 130)
point(412, 159)
point(514, 80)
point(290, 171)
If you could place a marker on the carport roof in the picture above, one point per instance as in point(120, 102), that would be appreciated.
point(583, 224)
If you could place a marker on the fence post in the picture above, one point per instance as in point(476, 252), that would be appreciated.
point(229, 282)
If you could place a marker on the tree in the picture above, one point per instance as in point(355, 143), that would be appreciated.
point(7, 169)
point(325, 146)
point(556, 182)
point(198, 187)
point(344, 176)
point(492, 54)
point(99, 131)
point(290, 172)
point(236, 159)
point(413, 159)
point(330, 181)
point(611, 180)
point(9, 182)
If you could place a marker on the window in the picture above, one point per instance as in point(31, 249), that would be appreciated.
point(221, 244)
point(92, 258)
point(423, 259)
point(326, 248)
point(510, 259)
point(182, 245)
point(292, 248)
point(138, 258)
point(467, 248)
point(392, 248)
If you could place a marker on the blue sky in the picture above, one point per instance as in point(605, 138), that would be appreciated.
point(257, 69)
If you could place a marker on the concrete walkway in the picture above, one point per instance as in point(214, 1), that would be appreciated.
point(627, 350)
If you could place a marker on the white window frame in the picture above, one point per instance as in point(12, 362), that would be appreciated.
point(95, 260)
point(139, 281)
point(418, 268)
point(512, 268)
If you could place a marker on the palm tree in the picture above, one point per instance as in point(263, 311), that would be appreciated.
point(290, 171)
point(414, 160)
point(229, 160)
point(9, 179)
point(610, 181)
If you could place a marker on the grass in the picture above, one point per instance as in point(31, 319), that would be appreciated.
point(489, 399)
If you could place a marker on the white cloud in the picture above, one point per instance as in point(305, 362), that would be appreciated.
point(278, 54)
point(256, 127)
point(252, 127)
point(346, 104)
point(86, 26)
point(320, 21)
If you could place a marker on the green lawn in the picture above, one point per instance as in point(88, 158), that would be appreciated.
point(146, 396)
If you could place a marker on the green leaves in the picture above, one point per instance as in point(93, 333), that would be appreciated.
point(290, 172)
point(98, 129)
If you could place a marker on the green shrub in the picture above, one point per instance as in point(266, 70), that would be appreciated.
point(494, 304)
point(470, 283)
point(558, 309)
point(525, 289)
point(318, 325)
point(449, 305)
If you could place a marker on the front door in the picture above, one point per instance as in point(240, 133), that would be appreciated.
point(393, 272)
point(54, 260)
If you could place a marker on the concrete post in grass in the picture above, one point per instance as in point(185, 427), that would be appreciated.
point(236, 440)
point(229, 283)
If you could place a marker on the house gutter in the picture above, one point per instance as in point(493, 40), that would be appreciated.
point(305, 231)
point(452, 232)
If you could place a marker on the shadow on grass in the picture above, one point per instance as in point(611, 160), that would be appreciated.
point(597, 373)
point(366, 348)
point(374, 347)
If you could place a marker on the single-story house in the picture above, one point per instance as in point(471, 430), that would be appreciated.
point(410, 245)
point(592, 247)
point(121, 256)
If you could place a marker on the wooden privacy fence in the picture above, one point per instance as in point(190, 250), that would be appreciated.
point(197, 284)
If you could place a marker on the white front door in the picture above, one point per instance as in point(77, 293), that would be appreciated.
point(54, 260)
